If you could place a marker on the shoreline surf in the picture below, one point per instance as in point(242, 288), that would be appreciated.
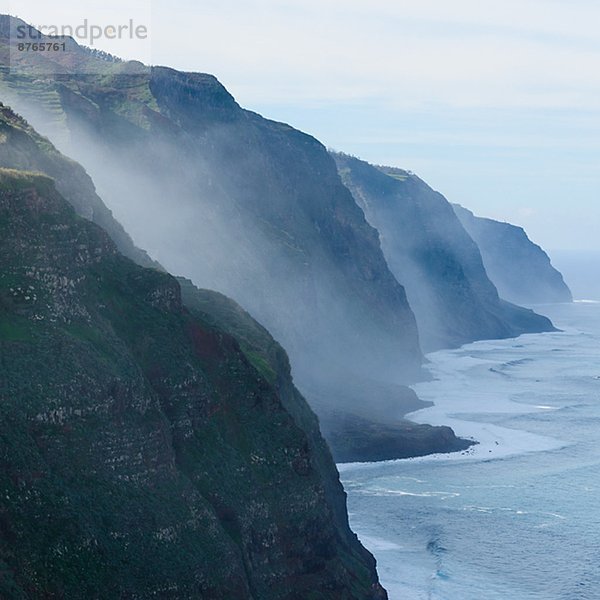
point(441, 525)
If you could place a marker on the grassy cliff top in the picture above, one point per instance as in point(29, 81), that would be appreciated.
point(15, 177)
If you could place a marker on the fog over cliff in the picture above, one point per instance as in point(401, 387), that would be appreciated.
point(257, 210)
point(431, 253)
point(246, 206)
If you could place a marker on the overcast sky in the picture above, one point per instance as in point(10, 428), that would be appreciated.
point(495, 104)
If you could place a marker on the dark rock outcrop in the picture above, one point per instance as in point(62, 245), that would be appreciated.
point(432, 255)
point(145, 451)
point(372, 441)
point(521, 270)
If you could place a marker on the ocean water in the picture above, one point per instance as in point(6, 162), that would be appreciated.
point(518, 517)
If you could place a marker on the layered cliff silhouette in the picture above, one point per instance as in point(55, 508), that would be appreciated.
point(248, 207)
point(257, 210)
point(521, 270)
point(431, 253)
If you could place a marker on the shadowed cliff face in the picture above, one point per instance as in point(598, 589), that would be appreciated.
point(429, 251)
point(520, 269)
point(237, 203)
point(144, 450)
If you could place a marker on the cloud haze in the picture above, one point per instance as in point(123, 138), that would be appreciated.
point(495, 104)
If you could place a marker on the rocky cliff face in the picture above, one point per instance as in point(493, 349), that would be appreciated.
point(432, 255)
point(374, 431)
point(521, 270)
point(237, 203)
point(21, 147)
point(145, 451)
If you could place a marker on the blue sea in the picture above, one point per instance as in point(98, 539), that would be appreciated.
point(518, 517)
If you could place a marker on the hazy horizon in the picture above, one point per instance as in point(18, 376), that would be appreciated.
point(496, 106)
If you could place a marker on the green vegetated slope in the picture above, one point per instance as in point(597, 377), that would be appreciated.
point(439, 264)
point(373, 432)
point(146, 452)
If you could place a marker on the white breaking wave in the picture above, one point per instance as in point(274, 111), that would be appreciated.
point(516, 515)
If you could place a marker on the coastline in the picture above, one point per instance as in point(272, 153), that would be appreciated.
point(415, 514)
point(474, 421)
